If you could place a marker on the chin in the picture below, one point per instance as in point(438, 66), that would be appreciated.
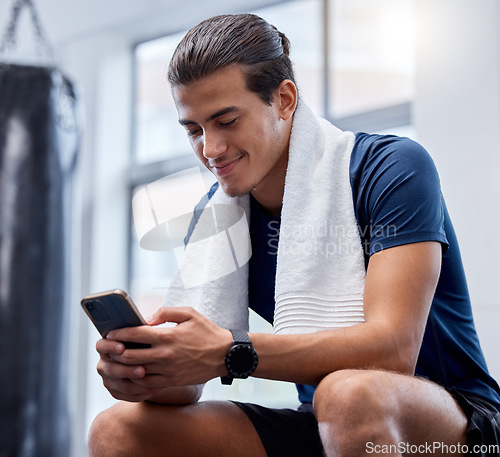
point(234, 191)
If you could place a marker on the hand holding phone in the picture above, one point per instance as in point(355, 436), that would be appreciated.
point(112, 310)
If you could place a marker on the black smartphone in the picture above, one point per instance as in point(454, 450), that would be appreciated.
point(112, 310)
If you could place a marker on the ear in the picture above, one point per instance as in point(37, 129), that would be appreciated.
point(287, 98)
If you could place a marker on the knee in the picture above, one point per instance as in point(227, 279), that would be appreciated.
point(100, 428)
point(113, 432)
point(354, 407)
point(353, 392)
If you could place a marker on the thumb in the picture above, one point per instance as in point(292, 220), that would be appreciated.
point(171, 314)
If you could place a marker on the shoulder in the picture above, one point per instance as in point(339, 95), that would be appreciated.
point(384, 164)
point(388, 154)
point(395, 185)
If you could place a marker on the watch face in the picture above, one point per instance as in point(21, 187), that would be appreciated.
point(241, 361)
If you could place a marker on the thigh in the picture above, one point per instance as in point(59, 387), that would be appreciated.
point(205, 429)
point(417, 412)
point(429, 416)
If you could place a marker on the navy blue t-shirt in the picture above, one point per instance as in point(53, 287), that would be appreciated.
point(397, 200)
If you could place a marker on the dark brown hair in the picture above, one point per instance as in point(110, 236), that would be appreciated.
point(244, 39)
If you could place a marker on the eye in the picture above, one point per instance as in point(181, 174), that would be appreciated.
point(193, 132)
point(228, 124)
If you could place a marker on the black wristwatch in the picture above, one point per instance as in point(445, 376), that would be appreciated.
point(241, 359)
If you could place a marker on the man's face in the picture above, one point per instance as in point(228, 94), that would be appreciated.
point(241, 139)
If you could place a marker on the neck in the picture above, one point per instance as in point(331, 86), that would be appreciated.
point(269, 192)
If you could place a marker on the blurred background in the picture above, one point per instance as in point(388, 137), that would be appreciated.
point(427, 69)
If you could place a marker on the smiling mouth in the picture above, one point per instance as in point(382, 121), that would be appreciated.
point(221, 170)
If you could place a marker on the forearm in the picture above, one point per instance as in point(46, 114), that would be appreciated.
point(399, 288)
point(306, 359)
point(182, 395)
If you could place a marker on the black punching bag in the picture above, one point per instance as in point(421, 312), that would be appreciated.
point(38, 145)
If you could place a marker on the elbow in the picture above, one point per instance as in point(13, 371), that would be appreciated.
point(190, 394)
point(184, 395)
point(405, 358)
point(405, 366)
point(198, 390)
point(402, 354)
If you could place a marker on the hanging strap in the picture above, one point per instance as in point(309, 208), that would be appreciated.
point(8, 43)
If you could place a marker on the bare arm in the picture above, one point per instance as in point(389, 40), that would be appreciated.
point(399, 287)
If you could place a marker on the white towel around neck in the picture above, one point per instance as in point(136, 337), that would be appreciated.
point(320, 266)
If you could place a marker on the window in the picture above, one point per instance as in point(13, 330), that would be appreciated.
point(371, 55)
point(301, 22)
point(157, 136)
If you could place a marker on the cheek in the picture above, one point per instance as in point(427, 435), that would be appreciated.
point(197, 147)
point(270, 140)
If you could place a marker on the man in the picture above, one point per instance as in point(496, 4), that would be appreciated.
point(372, 319)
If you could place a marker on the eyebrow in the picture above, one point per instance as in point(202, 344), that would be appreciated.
point(221, 112)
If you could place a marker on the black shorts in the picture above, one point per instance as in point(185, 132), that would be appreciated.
point(294, 433)
point(483, 432)
point(286, 432)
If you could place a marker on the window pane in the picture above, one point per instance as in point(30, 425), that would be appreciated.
point(301, 22)
point(402, 130)
point(372, 55)
point(158, 135)
point(153, 263)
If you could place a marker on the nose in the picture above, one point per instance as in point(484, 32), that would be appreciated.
point(213, 145)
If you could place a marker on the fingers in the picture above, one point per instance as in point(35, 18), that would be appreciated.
point(137, 374)
point(125, 389)
point(141, 334)
point(109, 347)
point(171, 314)
point(151, 381)
point(108, 368)
point(145, 333)
point(117, 377)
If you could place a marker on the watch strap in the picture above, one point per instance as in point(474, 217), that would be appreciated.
point(226, 380)
point(240, 336)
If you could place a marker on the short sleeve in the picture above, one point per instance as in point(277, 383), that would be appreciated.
point(397, 193)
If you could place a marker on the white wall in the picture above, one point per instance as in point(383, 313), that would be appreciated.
point(457, 117)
